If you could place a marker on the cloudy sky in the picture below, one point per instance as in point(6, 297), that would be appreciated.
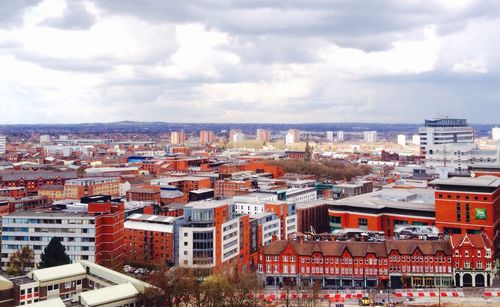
point(249, 60)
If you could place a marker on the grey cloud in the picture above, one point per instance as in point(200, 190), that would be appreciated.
point(11, 11)
point(75, 17)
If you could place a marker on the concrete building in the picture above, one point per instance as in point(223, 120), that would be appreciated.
point(495, 133)
point(329, 136)
point(459, 156)
point(444, 131)
point(292, 136)
point(79, 284)
point(415, 139)
point(89, 231)
point(44, 138)
point(370, 136)
point(340, 136)
point(263, 135)
point(238, 137)
point(301, 195)
point(401, 140)
point(177, 137)
point(3, 145)
point(207, 137)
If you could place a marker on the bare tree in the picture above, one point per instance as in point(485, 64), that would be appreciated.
point(21, 261)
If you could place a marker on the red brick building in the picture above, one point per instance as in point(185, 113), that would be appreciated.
point(144, 193)
point(337, 264)
point(150, 239)
point(473, 260)
point(32, 180)
point(229, 188)
point(468, 205)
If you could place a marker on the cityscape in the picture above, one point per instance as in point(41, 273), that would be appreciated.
point(249, 153)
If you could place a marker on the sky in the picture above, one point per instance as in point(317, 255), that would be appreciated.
point(249, 61)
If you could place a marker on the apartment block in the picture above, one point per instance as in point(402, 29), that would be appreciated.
point(89, 231)
point(78, 188)
point(150, 239)
point(212, 235)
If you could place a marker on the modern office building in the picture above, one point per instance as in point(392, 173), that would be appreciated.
point(212, 235)
point(458, 157)
point(468, 206)
point(444, 131)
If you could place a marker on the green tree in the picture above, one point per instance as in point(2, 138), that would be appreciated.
point(21, 261)
point(54, 254)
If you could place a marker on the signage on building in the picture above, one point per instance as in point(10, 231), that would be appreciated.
point(480, 213)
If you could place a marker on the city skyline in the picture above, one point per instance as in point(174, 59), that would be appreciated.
point(248, 62)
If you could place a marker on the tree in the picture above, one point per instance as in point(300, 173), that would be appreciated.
point(54, 254)
point(21, 260)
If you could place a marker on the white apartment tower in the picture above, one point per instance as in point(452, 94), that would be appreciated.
point(495, 133)
point(292, 136)
point(401, 140)
point(3, 145)
point(444, 131)
point(370, 136)
point(340, 136)
point(329, 136)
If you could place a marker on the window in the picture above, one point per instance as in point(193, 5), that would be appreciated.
point(479, 265)
point(467, 213)
point(459, 213)
point(466, 253)
point(457, 254)
point(488, 253)
point(363, 223)
point(292, 259)
point(285, 258)
point(466, 264)
point(479, 253)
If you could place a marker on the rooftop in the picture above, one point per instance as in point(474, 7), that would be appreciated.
point(109, 294)
point(58, 272)
point(482, 181)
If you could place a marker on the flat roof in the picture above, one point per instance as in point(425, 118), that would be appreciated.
point(207, 204)
point(109, 294)
point(53, 302)
point(409, 199)
point(482, 181)
point(165, 228)
point(58, 272)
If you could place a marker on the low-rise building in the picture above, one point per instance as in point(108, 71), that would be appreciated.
point(78, 284)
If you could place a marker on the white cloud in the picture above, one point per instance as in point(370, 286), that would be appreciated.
point(250, 61)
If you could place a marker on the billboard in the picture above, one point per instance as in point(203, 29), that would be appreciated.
point(480, 213)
